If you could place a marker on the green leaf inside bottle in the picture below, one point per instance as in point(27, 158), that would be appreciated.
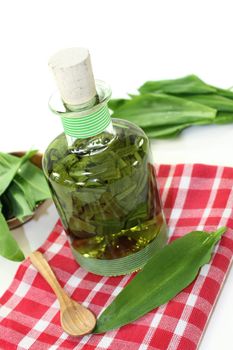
point(106, 195)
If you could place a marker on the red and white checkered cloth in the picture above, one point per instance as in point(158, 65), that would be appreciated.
point(194, 197)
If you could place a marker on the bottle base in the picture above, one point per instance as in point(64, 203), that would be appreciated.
point(126, 265)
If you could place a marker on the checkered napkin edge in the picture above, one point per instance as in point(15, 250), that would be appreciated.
point(194, 197)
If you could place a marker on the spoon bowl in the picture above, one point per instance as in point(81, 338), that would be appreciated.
point(77, 320)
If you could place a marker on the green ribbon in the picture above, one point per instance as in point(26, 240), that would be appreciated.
point(86, 125)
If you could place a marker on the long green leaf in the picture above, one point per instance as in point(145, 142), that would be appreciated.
point(19, 204)
point(7, 173)
point(222, 104)
point(36, 180)
point(165, 131)
point(224, 118)
point(26, 189)
point(9, 165)
point(225, 93)
point(159, 125)
point(29, 177)
point(168, 131)
point(190, 84)
point(8, 246)
point(167, 273)
point(150, 110)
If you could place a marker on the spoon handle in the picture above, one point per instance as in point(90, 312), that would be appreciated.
point(41, 264)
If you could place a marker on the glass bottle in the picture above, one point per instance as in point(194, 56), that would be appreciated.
point(104, 187)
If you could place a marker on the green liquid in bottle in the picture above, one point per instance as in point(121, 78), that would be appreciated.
point(105, 190)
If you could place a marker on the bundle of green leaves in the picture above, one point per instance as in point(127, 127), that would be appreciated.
point(22, 188)
point(164, 108)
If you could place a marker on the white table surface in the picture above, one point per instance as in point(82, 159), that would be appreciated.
point(210, 145)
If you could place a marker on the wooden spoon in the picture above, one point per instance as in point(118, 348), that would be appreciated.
point(75, 318)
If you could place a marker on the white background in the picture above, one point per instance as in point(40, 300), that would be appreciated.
point(130, 41)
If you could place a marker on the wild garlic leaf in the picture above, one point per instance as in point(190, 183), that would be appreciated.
point(9, 165)
point(7, 173)
point(26, 189)
point(224, 118)
point(166, 274)
point(36, 180)
point(225, 93)
point(20, 206)
point(8, 246)
point(165, 131)
point(159, 109)
point(22, 185)
point(189, 88)
point(222, 104)
point(190, 84)
point(29, 175)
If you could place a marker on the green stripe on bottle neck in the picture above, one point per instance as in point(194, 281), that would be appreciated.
point(86, 125)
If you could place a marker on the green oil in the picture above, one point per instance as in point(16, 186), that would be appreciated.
point(104, 188)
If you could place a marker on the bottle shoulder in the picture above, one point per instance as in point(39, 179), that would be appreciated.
point(127, 147)
point(123, 129)
point(118, 124)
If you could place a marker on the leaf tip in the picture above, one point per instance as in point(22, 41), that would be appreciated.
point(219, 232)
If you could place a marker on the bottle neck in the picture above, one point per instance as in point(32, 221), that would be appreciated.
point(86, 121)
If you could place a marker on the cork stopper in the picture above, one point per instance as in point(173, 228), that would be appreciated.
point(73, 74)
